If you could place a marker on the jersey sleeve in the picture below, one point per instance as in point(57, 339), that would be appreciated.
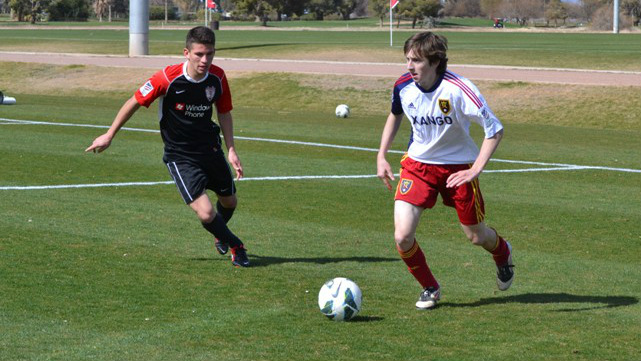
point(155, 87)
point(403, 81)
point(397, 107)
point(224, 104)
point(477, 110)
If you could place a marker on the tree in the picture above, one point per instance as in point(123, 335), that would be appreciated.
point(591, 6)
point(320, 8)
point(633, 9)
point(289, 7)
point(379, 8)
point(462, 8)
point(119, 7)
point(185, 7)
point(20, 8)
point(36, 9)
point(361, 8)
point(68, 10)
point(556, 11)
point(491, 8)
point(102, 8)
point(521, 10)
point(418, 9)
point(345, 7)
point(258, 8)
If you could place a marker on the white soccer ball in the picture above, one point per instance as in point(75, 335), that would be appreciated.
point(342, 111)
point(340, 299)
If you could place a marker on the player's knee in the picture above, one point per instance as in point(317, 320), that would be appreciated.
point(475, 238)
point(206, 215)
point(229, 202)
point(403, 240)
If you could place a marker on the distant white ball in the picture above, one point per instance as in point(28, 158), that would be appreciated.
point(340, 299)
point(342, 111)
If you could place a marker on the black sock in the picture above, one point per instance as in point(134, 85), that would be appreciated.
point(219, 229)
point(225, 212)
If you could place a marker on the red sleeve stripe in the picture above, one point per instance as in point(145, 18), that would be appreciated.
point(405, 77)
point(466, 89)
point(173, 71)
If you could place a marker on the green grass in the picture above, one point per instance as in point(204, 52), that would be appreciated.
point(558, 50)
point(127, 273)
point(315, 24)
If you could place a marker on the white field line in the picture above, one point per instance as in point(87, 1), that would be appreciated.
point(550, 166)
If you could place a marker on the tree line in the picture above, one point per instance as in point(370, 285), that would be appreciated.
point(598, 13)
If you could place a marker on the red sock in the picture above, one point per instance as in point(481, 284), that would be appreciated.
point(500, 253)
point(416, 264)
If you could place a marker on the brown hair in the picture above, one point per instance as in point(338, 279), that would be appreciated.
point(200, 35)
point(430, 46)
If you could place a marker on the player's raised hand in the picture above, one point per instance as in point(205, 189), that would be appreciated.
point(100, 144)
point(384, 172)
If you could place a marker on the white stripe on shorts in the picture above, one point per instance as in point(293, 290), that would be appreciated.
point(180, 178)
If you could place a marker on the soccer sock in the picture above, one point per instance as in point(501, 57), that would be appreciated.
point(417, 265)
point(500, 253)
point(219, 229)
point(225, 212)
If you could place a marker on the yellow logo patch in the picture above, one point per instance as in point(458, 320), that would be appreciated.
point(445, 106)
point(405, 186)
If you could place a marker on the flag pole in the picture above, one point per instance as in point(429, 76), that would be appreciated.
point(390, 26)
point(392, 5)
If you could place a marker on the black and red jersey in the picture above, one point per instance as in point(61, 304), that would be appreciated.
point(186, 108)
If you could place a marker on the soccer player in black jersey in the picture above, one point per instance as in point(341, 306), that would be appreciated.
point(193, 153)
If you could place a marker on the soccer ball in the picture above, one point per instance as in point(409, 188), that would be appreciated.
point(342, 111)
point(340, 299)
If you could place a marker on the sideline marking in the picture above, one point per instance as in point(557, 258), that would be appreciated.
point(129, 184)
point(572, 166)
point(249, 179)
point(550, 166)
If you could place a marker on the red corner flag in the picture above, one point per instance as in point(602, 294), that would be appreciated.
point(211, 4)
point(393, 3)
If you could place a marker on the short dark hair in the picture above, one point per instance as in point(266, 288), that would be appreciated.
point(430, 46)
point(200, 35)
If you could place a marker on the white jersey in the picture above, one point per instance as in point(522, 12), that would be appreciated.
point(441, 118)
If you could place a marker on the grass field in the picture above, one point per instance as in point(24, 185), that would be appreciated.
point(558, 50)
point(336, 24)
point(93, 270)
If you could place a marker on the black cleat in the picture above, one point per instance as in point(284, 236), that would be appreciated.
point(221, 247)
point(239, 257)
point(505, 273)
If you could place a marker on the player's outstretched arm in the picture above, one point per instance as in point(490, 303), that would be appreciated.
point(488, 147)
point(226, 123)
point(383, 168)
point(104, 141)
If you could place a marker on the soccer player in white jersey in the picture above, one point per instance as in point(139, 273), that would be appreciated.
point(441, 158)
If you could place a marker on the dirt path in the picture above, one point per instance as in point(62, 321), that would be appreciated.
point(474, 72)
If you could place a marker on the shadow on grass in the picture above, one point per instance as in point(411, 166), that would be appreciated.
point(366, 319)
point(264, 261)
point(594, 302)
point(223, 48)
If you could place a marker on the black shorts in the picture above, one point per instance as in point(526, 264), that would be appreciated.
point(194, 175)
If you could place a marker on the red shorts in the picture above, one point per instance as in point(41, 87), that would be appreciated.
point(421, 183)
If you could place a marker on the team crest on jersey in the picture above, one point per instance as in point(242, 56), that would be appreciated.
point(146, 88)
point(444, 104)
point(406, 185)
point(210, 91)
point(485, 113)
